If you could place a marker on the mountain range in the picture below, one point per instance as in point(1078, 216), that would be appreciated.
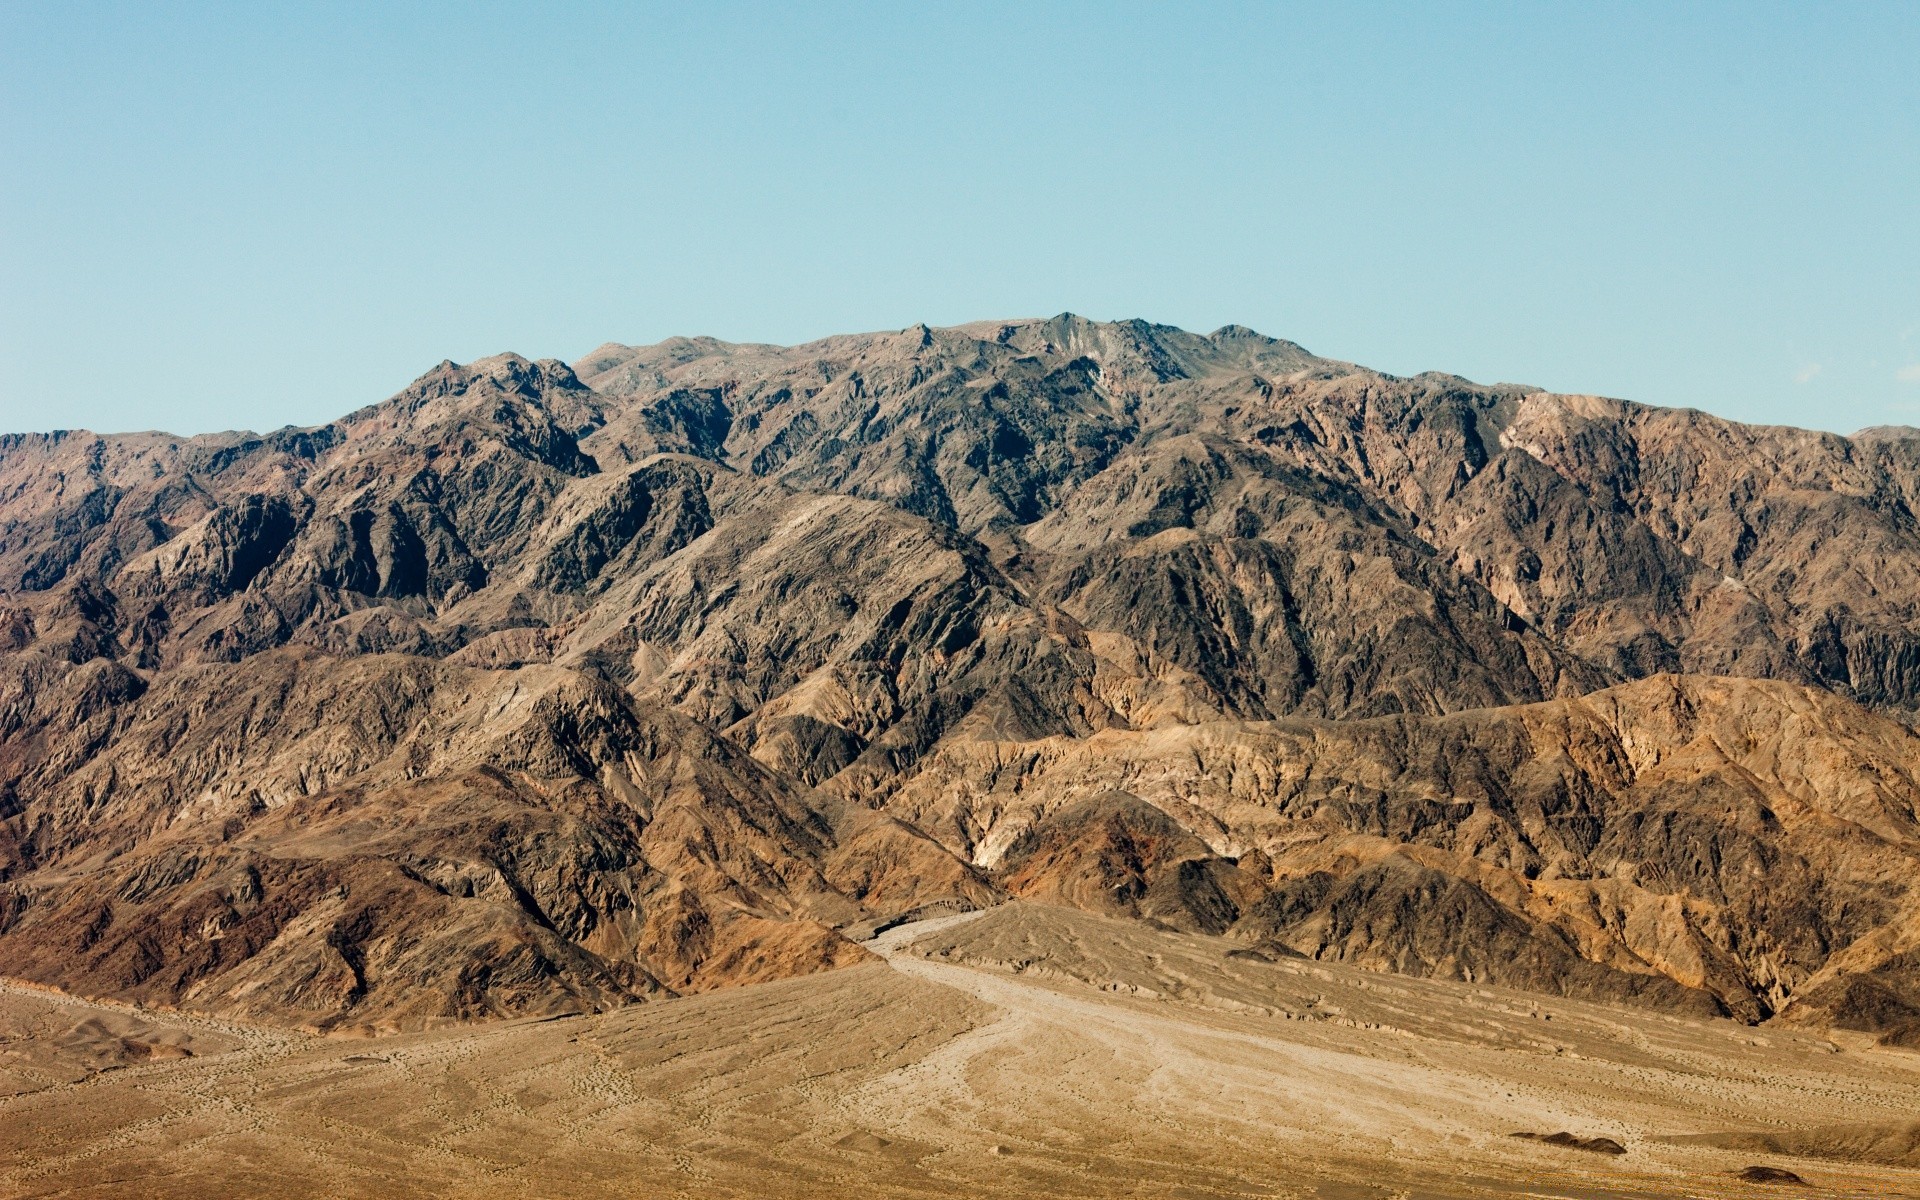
point(543, 688)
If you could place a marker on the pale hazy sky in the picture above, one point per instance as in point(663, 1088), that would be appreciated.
point(250, 215)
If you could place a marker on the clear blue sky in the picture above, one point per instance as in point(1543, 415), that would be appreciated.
point(250, 215)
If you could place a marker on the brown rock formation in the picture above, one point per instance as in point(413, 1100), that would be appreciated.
point(538, 688)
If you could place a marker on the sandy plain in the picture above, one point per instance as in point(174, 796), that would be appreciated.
point(1025, 1051)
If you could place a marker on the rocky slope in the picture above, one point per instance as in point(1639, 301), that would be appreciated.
point(537, 687)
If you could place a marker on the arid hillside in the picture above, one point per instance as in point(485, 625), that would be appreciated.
point(539, 689)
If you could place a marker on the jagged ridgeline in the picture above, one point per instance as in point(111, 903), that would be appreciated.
point(539, 688)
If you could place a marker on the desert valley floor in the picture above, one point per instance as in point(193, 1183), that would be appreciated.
point(1024, 1051)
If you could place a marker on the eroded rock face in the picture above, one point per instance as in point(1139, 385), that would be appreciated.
point(537, 688)
point(1706, 844)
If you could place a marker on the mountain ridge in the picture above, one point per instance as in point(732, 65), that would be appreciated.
point(647, 674)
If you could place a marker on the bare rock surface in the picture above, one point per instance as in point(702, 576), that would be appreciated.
point(540, 689)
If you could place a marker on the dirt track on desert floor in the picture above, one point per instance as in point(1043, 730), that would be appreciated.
point(1027, 1051)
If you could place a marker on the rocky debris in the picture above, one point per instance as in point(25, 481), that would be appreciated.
point(539, 688)
point(1767, 1175)
point(1568, 1141)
